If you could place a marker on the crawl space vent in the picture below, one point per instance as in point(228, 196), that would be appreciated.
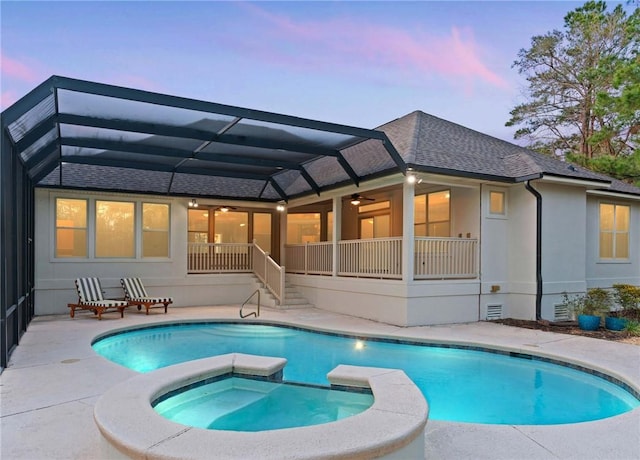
point(561, 313)
point(494, 312)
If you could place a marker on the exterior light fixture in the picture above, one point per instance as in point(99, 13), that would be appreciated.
point(193, 203)
point(355, 201)
point(411, 179)
point(280, 206)
point(224, 208)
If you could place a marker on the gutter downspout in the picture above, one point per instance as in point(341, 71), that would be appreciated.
point(538, 197)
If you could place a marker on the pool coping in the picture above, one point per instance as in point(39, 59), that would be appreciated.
point(393, 425)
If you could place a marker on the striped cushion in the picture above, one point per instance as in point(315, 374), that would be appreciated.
point(152, 299)
point(133, 288)
point(89, 289)
point(106, 303)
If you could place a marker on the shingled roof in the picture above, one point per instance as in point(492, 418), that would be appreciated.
point(431, 144)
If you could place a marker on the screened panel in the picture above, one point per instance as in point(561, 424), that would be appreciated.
point(40, 112)
point(39, 144)
point(294, 134)
point(93, 105)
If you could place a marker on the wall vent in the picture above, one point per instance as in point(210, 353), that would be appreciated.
point(561, 313)
point(494, 312)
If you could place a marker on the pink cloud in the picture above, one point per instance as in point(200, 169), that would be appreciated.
point(14, 68)
point(350, 45)
point(7, 98)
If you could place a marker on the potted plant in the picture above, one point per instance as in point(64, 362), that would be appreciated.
point(589, 308)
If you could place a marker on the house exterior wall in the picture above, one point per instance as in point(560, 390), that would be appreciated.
point(54, 278)
point(602, 273)
point(508, 253)
point(564, 218)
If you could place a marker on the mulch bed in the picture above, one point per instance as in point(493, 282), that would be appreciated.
point(567, 327)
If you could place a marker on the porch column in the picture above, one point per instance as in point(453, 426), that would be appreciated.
point(337, 232)
point(408, 231)
point(283, 237)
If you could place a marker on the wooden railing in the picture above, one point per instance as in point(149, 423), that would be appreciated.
point(440, 258)
point(219, 257)
point(434, 258)
point(310, 258)
point(371, 258)
point(269, 272)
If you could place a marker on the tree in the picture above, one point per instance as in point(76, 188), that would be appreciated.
point(571, 92)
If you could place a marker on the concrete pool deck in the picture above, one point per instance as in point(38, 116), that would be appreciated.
point(54, 378)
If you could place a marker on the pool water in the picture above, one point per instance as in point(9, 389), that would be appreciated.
point(241, 404)
point(460, 385)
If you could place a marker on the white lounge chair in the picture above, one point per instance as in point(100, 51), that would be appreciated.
point(90, 298)
point(136, 294)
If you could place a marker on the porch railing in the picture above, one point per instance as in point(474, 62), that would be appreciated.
point(219, 257)
point(434, 258)
point(370, 258)
point(439, 258)
point(269, 272)
point(310, 258)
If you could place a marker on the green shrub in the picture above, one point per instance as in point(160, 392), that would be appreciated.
point(627, 296)
point(632, 327)
point(595, 302)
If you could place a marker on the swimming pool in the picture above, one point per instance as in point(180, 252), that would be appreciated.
point(460, 385)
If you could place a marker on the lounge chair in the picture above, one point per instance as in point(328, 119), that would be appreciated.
point(90, 298)
point(136, 294)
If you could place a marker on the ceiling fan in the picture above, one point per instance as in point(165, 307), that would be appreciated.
point(225, 208)
point(356, 199)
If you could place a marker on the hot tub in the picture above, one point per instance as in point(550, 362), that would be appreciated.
point(393, 427)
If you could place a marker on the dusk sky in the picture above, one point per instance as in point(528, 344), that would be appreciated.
point(356, 63)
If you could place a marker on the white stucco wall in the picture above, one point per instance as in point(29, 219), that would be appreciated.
point(54, 278)
point(508, 254)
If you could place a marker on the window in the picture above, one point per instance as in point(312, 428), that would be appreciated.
point(330, 226)
point(198, 231)
point(375, 227)
point(115, 229)
point(262, 230)
point(231, 227)
point(71, 228)
point(155, 230)
point(303, 228)
point(614, 231)
point(497, 203)
point(431, 213)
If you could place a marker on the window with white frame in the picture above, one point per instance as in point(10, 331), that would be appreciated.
point(115, 229)
point(614, 231)
point(497, 203)
point(155, 230)
point(71, 228)
point(105, 229)
point(432, 214)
